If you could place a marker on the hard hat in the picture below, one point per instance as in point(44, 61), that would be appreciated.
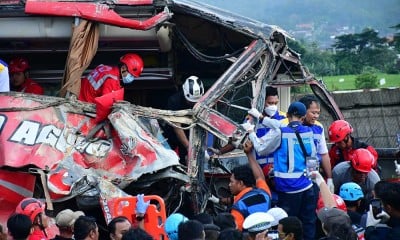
point(362, 160)
point(351, 191)
point(18, 65)
point(258, 222)
point(171, 225)
point(30, 207)
point(134, 63)
point(278, 214)
point(193, 89)
point(340, 204)
point(338, 130)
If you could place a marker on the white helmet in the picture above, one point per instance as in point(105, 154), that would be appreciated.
point(193, 89)
point(278, 213)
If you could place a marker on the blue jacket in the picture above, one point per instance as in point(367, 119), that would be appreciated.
point(261, 131)
point(289, 160)
point(256, 200)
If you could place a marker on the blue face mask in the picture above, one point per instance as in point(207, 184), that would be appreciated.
point(128, 78)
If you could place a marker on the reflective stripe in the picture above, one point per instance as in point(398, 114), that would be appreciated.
point(288, 175)
point(265, 160)
point(18, 189)
point(97, 84)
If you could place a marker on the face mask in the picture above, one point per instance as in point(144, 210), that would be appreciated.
point(128, 78)
point(271, 110)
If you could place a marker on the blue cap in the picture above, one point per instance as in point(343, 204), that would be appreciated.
point(297, 109)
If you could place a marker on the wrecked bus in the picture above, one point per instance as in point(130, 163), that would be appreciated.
point(62, 154)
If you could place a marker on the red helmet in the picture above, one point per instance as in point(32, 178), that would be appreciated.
point(18, 65)
point(338, 130)
point(30, 207)
point(134, 63)
point(340, 204)
point(362, 160)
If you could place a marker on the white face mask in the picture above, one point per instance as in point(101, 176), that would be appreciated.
point(271, 110)
point(128, 78)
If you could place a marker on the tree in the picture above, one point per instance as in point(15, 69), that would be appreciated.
point(319, 62)
point(365, 49)
point(367, 79)
point(396, 38)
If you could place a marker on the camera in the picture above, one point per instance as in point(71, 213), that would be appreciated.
point(376, 207)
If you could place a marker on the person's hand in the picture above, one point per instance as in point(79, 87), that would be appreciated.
point(213, 199)
point(248, 126)
point(255, 113)
point(316, 177)
point(141, 205)
point(248, 146)
point(261, 235)
point(397, 167)
point(371, 221)
point(331, 187)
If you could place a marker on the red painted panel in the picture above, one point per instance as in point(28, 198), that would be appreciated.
point(92, 11)
point(224, 126)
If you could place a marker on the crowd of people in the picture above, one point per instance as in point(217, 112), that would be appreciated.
point(293, 187)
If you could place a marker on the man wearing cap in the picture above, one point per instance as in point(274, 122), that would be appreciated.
point(257, 224)
point(65, 221)
point(291, 146)
point(336, 223)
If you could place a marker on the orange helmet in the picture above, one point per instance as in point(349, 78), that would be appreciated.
point(134, 63)
point(338, 130)
point(30, 207)
point(362, 160)
point(339, 203)
point(18, 65)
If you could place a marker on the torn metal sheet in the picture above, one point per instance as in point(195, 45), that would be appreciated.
point(40, 138)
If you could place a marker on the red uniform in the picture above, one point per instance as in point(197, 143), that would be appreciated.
point(102, 80)
point(337, 155)
point(30, 86)
point(37, 234)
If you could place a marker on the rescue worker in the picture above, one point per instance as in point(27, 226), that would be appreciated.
point(247, 185)
point(313, 111)
point(106, 79)
point(345, 144)
point(34, 209)
point(20, 80)
point(292, 145)
point(358, 170)
point(271, 111)
point(192, 91)
point(352, 195)
point(4, 77)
